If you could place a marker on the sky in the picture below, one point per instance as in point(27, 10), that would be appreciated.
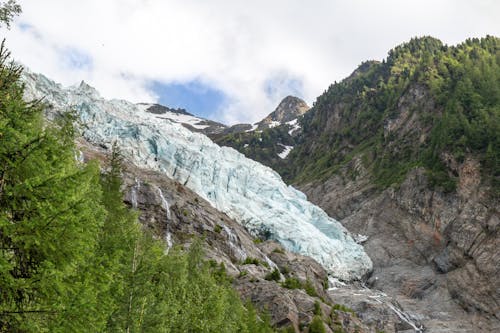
point(227, 60)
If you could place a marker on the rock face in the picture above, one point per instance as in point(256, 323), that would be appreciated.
point(395, 165)
point(439, 253)
point(290, 108)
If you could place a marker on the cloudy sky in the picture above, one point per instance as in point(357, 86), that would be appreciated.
point(227, 60)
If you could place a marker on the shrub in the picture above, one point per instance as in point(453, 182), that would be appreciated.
point(316, 325)
point(279, 250)
point(274, 275)
point(251, 261)
point(309, 288)
point(292, 283)
point(317, 309)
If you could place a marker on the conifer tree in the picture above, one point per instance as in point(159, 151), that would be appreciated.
point(49, 215)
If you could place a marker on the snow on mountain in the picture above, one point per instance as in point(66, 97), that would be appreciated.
point(294, 124)
point(285, 152)
point(247, 191)
point(182, 117)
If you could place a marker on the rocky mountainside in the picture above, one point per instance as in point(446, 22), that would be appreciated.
point(166, 162)
point(406, 152)
point(289, 109)
point(403, 152)
point(270, 140)
point(295, 290)
point(287, 112)
point(292, 287)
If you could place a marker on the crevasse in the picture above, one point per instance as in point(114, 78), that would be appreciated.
point(252, 194)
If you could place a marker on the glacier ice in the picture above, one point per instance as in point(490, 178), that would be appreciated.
point(252, 194)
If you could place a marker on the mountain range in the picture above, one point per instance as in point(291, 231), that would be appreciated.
point(376, 209)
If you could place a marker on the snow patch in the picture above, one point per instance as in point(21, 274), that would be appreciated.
point(285, 152)
point(360, 239)
point(294, 124)
point(254, 127)
point(273, 124)
point(184, 119)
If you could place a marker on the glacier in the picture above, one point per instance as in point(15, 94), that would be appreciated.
point(254, 195)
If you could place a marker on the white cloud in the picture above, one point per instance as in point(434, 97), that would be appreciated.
point(237, 47)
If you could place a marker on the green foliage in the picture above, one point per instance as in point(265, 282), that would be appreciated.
point(254, 261)
point(279, 250)
point(8, 9)
point(459, 115)
point(260, 146)
point(49, 216)
point(217, 228)
point(273, 276)
point(292, 283)
point(288, 329)
point(285, 270)
point(316, 325)
point(309, 288)
point(342, 308)
point(317, 309)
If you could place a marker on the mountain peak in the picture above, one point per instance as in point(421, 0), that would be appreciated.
point(289, 108)
point(87, 89)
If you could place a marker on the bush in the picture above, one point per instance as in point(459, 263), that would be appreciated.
point(274, 275)
point(316, 325)
point(317, 309)
point(309, 288)
point(279, 250)
point(292, 283)
point(251, 261)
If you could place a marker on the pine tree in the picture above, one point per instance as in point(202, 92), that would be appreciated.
point(8, 9)
point(49, 215)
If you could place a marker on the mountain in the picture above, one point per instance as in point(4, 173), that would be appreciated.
point(247, 191)
point(406, 151)
point(181, 116)
point(270, 140)
point(285, 284)
point(289, 109)
point(186, 186)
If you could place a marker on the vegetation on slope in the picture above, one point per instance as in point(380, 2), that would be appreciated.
point(458, 115)
point(263, 146)
point(73, 257)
